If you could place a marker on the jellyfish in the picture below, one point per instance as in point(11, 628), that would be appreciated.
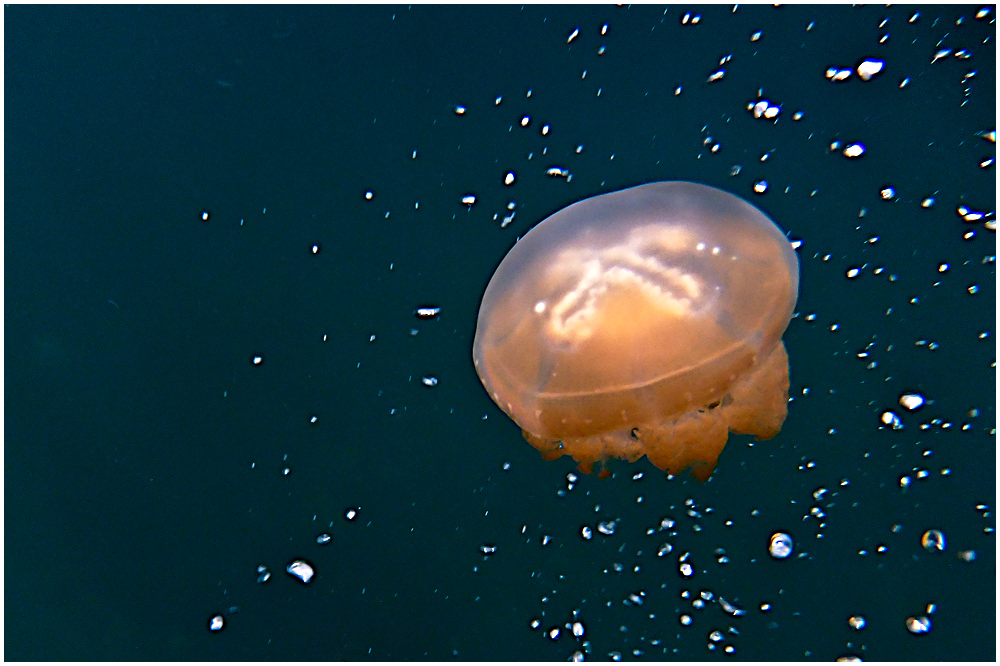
point(646, 321)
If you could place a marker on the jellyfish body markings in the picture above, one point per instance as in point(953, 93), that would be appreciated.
point(646, 321)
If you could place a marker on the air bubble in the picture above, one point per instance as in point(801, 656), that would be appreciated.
point(869, 68)
point(891, 419)
point(854, 150)
point(300, 569)
point(933, 540)
point(918, 625)
point(427, 312)
point(781, 545)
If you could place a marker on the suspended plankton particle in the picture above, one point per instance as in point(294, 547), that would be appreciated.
point(918, 625)
point(573, 35)
point(781, 545)
point(854, 150)
point(459, 110)
point(756, 36)
point(857, 622)
point(969, 215)
point(760, 186)
point(558, 172)
point(216, 623)
point(888, 193)
point(509, 178)
point(429, 380)
point(912, 401)
point(927, 203)
point(853, 273)
point(263, 574)
point(838, 74)
point(469, 199)
point(990, 136)
point(300, 569)
point(731, 609)
point(427, 312)
point(323, 539)
point(890, 419)
point(525, 120)
point(942, 53)
point(933, 540)
point(369, 194)
point(764, 109)
point(578, 629)
point(869, 68)
point(716, 75)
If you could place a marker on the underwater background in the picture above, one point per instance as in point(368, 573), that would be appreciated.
point(220, 223)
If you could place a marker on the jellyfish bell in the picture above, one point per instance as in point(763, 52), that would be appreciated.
point(646, 321)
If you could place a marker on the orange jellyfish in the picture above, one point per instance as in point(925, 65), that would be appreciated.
point(646, 321)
